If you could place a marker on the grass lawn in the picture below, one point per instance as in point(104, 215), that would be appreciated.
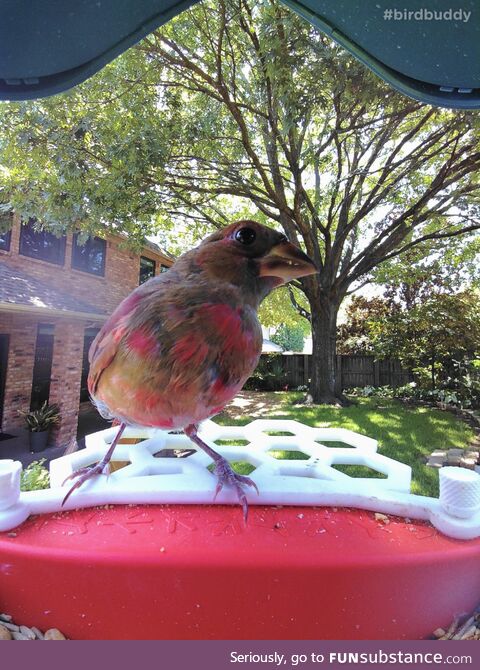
point(407, 434)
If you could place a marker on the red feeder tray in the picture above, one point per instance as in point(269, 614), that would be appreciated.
point(196, 572)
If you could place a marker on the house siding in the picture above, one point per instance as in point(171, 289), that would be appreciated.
point(65, 379)
point(21, 354)
point(105, 293)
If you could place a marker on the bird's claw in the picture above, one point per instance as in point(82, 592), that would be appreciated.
point(226, 475)
point(83, 475)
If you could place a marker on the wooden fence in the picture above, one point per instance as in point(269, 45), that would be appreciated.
point(352, 370)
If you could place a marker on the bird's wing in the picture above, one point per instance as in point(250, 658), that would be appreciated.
point(105, 345)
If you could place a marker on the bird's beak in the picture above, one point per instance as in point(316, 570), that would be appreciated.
point(286, 261)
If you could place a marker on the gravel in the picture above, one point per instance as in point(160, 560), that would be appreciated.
point(460, 629)
point(12, 631)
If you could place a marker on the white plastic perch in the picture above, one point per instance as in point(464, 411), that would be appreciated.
point(153, 475)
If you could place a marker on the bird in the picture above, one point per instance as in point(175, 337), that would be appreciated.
point(181, 345)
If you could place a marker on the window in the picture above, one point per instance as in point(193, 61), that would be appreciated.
point(42, 367)
point(164, 268)
point(147, 269)
point(5, 240)
point(41, 244)
point(89, 257)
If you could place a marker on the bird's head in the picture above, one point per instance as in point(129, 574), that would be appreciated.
point(252, 256)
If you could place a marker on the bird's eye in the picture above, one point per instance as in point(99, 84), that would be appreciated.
point(246, 235)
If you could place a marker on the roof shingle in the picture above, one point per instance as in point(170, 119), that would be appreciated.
point(19, 288)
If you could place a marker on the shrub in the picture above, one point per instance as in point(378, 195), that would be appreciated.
point(269, 374)
point(35, 477)
point(290, 338)
point(463, 391)
point(423, 375)
point(465, 382)
point(369, 391)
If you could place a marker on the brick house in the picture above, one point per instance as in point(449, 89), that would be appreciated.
point(54, 296)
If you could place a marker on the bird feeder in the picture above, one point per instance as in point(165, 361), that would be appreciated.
point(324, 555)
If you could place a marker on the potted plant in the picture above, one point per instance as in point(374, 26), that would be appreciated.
point(39, 422)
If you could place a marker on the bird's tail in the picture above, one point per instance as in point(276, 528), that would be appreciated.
point(101, 408)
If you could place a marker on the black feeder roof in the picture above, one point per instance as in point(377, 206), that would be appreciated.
point(49, 46)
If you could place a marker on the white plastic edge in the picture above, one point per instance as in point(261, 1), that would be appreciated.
point(313, 481)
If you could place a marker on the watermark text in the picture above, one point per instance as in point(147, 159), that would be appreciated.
point(425, 14)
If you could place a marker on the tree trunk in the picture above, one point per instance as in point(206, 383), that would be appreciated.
point(323, 385)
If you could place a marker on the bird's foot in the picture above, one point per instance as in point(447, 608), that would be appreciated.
point(83, 475)
point(227, 476)
point(223, 470)
point(90, 471)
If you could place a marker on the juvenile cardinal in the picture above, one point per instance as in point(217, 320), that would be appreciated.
point(182, 345)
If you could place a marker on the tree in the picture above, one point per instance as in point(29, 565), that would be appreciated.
point(354, 335)
point(283, 307)
point(240, 106)
point(414, 276)
point(432, 332)
point(290, 338)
